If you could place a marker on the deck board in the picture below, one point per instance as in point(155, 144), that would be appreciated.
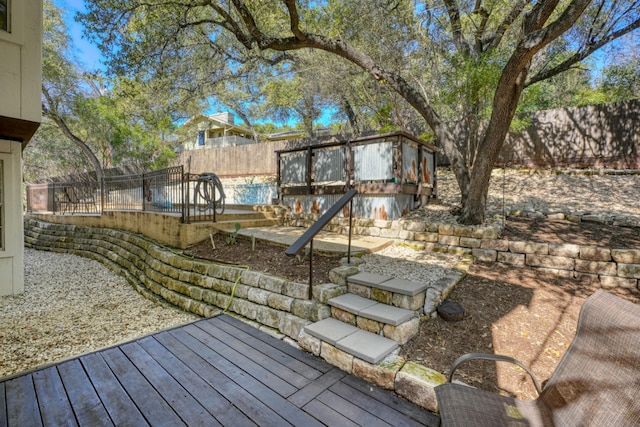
point(361, 400)
point(215, 403)
point(203, 363)
point(217, 371)
point(313, 389)
point(238, 362)
point(306, 358)
point(154, 408)
point(329, 416)
point(350, 410)
point(55, 407)
point(120, 408)
point(256, 384)
point(190, 411)
point(309, 367)
point(3, 407)
point(392, 401)
point(282, 370)
point(88, 408)
point(22, 406)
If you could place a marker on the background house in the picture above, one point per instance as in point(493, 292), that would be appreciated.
point(20, 115)
point(216, 130)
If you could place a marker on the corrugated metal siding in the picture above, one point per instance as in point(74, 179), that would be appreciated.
point(428, 168)
point(294, 168)
point(409, 163)
point(384, 206)
point(373, 161)
point(328, 165)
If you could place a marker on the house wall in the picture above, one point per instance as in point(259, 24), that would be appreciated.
point(20, 116)
point(229, 140)
point(21, 65)
point(12, 245)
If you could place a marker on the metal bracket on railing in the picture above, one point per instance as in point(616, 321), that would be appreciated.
point(307, 236)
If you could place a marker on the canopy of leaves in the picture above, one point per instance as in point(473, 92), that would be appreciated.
point(460, 66)
point(111, 121)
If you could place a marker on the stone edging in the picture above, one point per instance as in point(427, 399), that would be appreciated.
point(271, 304)
point(610, 267)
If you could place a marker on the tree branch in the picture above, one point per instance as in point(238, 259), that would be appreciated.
point(579, 56)
point(456, 26)
point(53, 115)
point(492, 41)
point(294, 17)
point(537, 36)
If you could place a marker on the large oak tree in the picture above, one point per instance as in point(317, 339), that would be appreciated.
point(461, 64)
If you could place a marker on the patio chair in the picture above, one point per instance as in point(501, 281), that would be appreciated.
point(597, 382)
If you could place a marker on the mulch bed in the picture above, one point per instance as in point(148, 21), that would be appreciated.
point(267, 258)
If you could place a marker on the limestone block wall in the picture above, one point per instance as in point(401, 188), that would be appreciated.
point(610, 267)
point(201, 287)
point(206, 288)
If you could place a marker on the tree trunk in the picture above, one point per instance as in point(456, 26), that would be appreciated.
point(505, 103)
point(84, 147)
point(351, 115)
point(53, 115)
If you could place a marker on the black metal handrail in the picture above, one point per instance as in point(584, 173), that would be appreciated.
point(307, 236)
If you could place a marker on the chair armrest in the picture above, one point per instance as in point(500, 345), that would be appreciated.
point(496, 358)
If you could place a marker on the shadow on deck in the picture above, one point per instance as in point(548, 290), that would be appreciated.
point(217, 371)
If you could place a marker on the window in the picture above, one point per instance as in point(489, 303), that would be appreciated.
point(201, 137)
point(4, 15)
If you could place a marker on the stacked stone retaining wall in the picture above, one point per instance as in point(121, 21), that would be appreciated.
point(610, 267)
point(200, 287)
point(275, 305)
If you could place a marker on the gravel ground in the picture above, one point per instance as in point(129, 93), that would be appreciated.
point(73, 305)
point(406, 263)
point(545, 192)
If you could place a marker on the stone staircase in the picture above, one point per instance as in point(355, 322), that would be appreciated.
point(376, 315)
point(247, 216)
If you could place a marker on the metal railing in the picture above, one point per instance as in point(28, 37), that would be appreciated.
point(157, 191)
point(204, 197)
point(307, 236)
point(76, 197)
point(123, 193)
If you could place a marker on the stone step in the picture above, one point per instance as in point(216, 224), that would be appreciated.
point(388, 290)
point(364, 345)
point(387, 283)
point(387, 321)
point(370, 309)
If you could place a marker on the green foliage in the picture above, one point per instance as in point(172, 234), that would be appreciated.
point(621, 82)
point(471, 83)
point(232, 238)
point(43, 157)
point(461, 69)
point(114, 120)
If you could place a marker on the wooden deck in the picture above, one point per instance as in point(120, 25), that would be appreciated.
point(217, 371)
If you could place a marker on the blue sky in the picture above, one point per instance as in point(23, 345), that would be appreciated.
point(87, 52)
point(90, 56)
